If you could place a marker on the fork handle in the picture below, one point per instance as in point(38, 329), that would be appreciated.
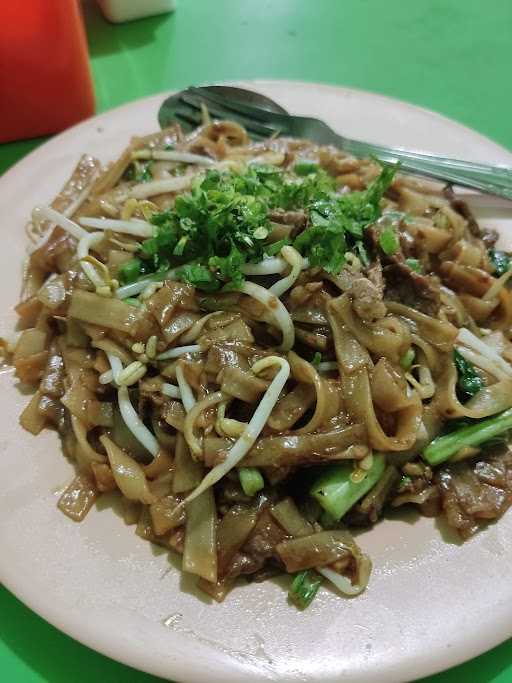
point(495, 180)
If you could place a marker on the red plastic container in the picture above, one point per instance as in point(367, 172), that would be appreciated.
point(45, 80)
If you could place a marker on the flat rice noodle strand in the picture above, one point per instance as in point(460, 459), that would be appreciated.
point(193, 415)
point(253, 428)
point(200, 550)
point(128, 474)
point(304, 372)
point(388, 337)
point(488, 401)
point(439, 333)
point(351, 356)
point(359, 404)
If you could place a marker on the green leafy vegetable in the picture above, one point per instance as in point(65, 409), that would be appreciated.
point(304, 587)
point(200, 276)
point(413, 264)
point(337, 493)
point(442, 448)
point(129, 271)
point(211, 233)
point(317, 359)
point(388, 241)
point(251, 480)
point(305, 167)
point(500, 260)
point(339, 223)
point(469, 381)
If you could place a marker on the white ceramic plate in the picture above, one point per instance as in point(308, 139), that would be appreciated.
point(430, 604)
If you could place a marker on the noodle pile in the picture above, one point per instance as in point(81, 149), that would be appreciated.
point(260, 345)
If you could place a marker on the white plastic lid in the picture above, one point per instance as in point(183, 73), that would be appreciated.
point(118, 11)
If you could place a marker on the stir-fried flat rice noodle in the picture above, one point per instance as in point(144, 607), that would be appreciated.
point(263, 345)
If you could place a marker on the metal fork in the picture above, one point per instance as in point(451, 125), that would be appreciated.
point(263, 118)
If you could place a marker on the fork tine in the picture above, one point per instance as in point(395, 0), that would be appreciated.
point(186, 120)
point(255, 113)
point(190, 118)
point(222, 112)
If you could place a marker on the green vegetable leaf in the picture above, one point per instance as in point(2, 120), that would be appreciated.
point(129, 271)
point(304, 167)
point(469, 381)
point(199, 276)
point(388, 241)
point(223, 224)
point(317, 359)
point(338, 223)
point(500, 260)
point(413, 264)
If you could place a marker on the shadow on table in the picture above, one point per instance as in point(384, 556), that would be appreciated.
point(105, 38)
point(53, 656)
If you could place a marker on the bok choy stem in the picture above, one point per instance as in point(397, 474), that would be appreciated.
point(442, 448)
point(337, 493)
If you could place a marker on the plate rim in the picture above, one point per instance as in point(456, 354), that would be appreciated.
point(87, 636)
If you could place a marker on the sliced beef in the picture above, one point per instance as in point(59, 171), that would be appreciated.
point(474, 492)
point(403, 284)
point(367, 299)
point(297, 219)
point(488, 237)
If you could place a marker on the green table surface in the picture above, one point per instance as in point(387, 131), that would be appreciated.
point(453, 56)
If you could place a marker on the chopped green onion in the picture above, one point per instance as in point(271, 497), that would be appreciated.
point(305, 167)
point(413, 264)
point(442, 448)
point(129, 271)
point(408, 359)
point(251, 480)
point(304, 587)
point(388, 241)
point(337, 493)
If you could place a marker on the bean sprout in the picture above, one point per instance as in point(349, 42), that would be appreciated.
point(296, 261)
point(253, 429)
point(134, 226)
point(276, 309)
